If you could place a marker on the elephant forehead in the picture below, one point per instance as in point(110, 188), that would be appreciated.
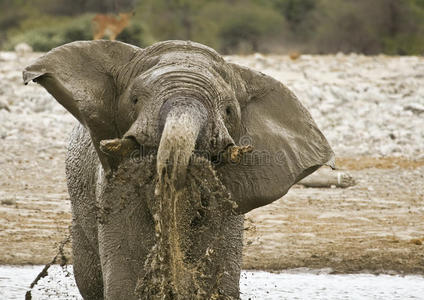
point(182, 56)
point(182, 75)
point(181, 49)
point(184, 62)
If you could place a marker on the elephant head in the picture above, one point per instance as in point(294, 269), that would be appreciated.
point(177, 97)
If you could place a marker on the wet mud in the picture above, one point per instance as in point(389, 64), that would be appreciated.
point(195, 238)
point(187, 258)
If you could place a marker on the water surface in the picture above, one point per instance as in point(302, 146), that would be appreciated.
point(304, 284)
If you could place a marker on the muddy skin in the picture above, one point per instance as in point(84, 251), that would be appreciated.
point(192, 212)
point(175, 144)
point(198, 236)
point(192, 238)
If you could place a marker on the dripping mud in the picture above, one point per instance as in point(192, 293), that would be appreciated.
point(194, 228)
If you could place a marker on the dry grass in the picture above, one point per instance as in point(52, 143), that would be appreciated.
point(366, 162)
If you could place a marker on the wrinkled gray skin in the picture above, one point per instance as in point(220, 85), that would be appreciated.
point(168, 223)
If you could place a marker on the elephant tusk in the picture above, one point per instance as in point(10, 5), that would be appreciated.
point(234, 154)
point(118, 147)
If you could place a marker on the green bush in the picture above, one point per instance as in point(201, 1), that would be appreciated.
point(135, 34)
point(44, 38)
point(370, 27)
point(404, 44)
point(407, 37)
point(300, 18)
point(295, 11)
point(65, 30)
point(230, 26)
point(242, 27)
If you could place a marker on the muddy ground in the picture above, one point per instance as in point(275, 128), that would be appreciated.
point(370, 108)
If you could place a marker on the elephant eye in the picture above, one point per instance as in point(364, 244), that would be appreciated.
point(134, 100)
point(228, 111)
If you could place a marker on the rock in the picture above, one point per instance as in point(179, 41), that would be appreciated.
point(4, 105)
point(294, 55)
point(416, 108)
point(325, 177)
point(417, 242)
point(23, 48)
point(259, 58)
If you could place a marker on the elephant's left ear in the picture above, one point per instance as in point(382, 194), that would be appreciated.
point(84, 77)
point(287, 143)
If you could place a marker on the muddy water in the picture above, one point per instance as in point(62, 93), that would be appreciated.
point(306, 284)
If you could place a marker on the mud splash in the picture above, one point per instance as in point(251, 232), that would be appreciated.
point(185, 261)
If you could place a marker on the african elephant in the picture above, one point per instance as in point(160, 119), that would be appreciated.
point(174, 145)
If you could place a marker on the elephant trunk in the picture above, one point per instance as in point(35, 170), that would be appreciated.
point(182, 122)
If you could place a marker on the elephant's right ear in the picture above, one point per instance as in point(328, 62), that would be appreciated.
point(82, 76)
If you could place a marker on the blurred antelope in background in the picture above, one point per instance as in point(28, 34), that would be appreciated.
point(110, 25)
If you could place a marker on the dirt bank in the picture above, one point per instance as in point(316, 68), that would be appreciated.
point(369, 107)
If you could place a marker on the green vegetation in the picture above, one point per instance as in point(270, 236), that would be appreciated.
point(230, 26)
point(56, 31)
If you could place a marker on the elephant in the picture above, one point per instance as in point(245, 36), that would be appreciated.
point(173, 146)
